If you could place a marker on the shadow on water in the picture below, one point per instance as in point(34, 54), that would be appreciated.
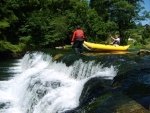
point(135, 84)
point(6, 65)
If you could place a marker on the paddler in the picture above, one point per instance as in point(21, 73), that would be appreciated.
point(116, 40)
point(77, 40)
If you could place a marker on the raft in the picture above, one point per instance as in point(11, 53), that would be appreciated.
point(104, 47)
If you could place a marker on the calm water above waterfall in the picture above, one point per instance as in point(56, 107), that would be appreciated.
point(57, 81)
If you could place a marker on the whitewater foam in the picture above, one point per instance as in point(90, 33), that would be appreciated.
point(44, 85)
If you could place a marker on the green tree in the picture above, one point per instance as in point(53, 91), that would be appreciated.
point(123, 12)
point(102, 7)
point(146, 34)
point(96, 30)
point(7, 17)
point(50, 23)
point(34, 31)
point(47, 26)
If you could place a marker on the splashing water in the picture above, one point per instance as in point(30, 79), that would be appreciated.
point(45, 86)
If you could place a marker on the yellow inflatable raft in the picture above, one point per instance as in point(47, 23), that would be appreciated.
point(103, 47)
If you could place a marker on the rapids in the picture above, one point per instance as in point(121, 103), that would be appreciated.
point(41, 85)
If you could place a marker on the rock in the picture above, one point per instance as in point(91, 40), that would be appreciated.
point(56, 57)
point(142, 51)
point(60, 47)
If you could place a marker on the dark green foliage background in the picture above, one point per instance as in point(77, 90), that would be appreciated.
point(34, 24)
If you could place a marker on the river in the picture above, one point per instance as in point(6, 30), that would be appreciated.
point(57, 81)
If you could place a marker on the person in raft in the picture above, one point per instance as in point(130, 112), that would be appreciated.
point(77, 40)
point(116, 40)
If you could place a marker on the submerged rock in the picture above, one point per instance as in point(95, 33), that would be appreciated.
point(124, 96)
point(111, 102)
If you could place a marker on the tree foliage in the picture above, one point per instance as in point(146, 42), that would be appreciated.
point(123, 12)
point(50, 23)
point(146, 34)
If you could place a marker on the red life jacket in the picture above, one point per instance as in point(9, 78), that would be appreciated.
point(78, 34)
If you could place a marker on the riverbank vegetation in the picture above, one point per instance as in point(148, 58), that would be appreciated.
point(35, 24)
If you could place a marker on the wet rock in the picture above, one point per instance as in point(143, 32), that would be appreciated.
point(112, 102)
point(128, 93)
point(135, 84)
point(142, 51)
point(93, 89)
point(56, 57)
point(116, 102)
point(5, 105)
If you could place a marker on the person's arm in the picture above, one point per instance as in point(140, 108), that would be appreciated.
point(83, 35)
point(112, 38)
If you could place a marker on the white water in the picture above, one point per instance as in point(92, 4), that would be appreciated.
point(45, 86)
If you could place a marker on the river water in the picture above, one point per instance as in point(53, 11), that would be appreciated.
point(53, 82)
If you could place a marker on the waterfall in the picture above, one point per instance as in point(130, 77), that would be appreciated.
point(46, 86)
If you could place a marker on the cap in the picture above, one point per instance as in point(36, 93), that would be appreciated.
point(78, 26)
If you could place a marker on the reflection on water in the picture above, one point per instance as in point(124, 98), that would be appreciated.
point(106, 53)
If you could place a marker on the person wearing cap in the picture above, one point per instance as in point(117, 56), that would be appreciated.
point(78, 38)
point(116, 40)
